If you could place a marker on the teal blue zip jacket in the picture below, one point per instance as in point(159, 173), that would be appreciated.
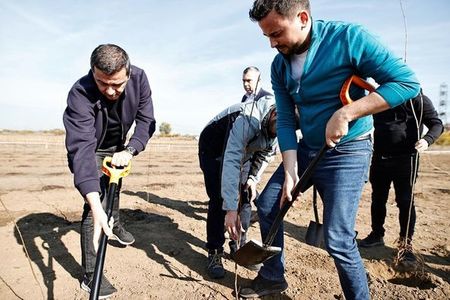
point(337, 51)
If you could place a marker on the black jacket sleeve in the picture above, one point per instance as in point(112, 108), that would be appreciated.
point(429, 118)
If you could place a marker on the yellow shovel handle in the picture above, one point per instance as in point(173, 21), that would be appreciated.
point(114, 173)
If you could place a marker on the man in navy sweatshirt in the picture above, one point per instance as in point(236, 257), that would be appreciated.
point(101, 107)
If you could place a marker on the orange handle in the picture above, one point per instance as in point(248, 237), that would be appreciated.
point(344, 95)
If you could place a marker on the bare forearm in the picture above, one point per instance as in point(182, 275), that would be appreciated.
point(290, 163)
point(368, 105)
point(337, 125)
point(93, 199)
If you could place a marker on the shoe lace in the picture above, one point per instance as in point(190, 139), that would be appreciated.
point(404, 248)
point(215, 259)
point(118, 229)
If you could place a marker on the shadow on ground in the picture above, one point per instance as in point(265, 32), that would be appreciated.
point(50, 229)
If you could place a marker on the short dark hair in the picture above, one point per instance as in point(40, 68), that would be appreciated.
point(109, 59)
point(286, 8)
point(251, 68)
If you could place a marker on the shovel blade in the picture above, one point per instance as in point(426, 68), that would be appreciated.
point(254, 252)
point(314, 234)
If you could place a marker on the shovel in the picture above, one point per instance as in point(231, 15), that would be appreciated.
point(255, 252)
point(114, 176)
point(314, 234)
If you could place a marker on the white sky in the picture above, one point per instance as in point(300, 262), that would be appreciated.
point(192, 51)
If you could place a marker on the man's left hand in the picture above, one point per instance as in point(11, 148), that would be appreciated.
point(121, 159)
point(421, 145)
point(250, 185)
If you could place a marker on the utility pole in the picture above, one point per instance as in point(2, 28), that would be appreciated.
point(443, 97)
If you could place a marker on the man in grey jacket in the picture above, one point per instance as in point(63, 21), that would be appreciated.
point(242, 132)
point(251, 81)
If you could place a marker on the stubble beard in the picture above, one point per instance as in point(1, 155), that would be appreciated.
point(296, 49)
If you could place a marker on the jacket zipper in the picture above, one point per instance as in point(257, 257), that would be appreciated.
point(105, 126)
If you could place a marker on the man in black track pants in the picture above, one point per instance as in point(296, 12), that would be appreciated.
point(397, 141)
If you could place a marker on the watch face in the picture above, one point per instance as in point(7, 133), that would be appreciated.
point(131, 150)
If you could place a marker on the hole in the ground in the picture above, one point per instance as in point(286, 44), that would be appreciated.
point(418, 278)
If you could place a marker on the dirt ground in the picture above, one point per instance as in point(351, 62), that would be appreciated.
point(164, 205)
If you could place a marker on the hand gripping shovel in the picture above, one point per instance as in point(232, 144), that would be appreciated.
point(114, 176)
point(314, 234)
point(254, 252)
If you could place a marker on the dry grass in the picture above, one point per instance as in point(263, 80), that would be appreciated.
point(444, 139)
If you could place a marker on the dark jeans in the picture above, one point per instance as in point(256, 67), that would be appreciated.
point(212, 170)
point(384, 171)
point(88, 255)
point(339, 178)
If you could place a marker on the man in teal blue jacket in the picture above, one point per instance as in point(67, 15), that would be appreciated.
point(314, 60)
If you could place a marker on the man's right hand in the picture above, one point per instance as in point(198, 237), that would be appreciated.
point(100, 219)
point(421, 145)
point(121, 159)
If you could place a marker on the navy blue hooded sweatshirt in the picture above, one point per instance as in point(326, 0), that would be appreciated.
point(85, 121)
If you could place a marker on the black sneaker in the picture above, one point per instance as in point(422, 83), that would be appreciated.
point(215, 267)
point(122, 236)
point(371, 240)
point(106, 288)
point(263, 287)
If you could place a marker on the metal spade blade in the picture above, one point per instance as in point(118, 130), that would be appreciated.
point(314, 234)
point(255, 252)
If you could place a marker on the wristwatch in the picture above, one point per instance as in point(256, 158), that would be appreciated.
point(131, 150)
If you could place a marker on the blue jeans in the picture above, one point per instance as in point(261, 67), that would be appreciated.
point(339, 178)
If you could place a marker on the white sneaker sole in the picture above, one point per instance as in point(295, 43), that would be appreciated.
point(115, 237)
point(88, 290)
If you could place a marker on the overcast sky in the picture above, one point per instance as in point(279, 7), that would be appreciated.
point(192, 51)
